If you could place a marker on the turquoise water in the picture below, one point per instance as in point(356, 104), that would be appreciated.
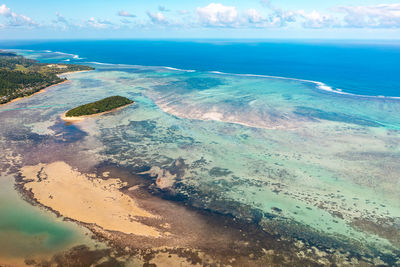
point(359, 67)
point(301, 162)
point(28, 232)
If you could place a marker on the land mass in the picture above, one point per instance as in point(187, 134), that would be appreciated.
point(101, 106)
point(21, 77)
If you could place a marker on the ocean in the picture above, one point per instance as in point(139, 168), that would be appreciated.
point(295, 144)
point(358, 67)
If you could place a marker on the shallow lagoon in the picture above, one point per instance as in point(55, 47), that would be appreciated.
point(300, 162)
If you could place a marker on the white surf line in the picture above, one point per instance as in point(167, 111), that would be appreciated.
point(320, 85)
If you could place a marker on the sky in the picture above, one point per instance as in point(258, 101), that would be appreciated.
point(158, 19)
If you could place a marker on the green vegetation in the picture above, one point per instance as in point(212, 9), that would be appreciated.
point(100, 106)
point(21, 77)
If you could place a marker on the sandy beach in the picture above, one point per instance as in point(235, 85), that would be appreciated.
point(82, 118)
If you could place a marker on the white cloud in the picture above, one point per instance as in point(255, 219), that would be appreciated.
point(98, 23)
point(376, 16)
point(253, 16)
point(157, 18)
point(14, 19)
point(218, 15)
point(124, 13)
point(5, 11)
point(316, 20)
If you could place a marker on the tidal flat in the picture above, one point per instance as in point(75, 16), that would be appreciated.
point(205, 168)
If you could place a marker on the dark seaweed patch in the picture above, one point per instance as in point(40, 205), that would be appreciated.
point(183, 86)
point(67, 132)
point(90, 83)
point(218, 172)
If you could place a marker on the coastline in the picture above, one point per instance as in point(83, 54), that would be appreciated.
point(146, 229)
point(124, 149)
point(38, 92)
point(82, 118)
point(44, 89)
point(72, 72)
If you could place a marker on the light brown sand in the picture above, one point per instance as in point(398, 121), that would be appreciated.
point(89, 200)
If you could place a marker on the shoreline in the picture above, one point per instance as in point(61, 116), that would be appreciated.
point(169, 227)
point(44, 89)
point(38, 92)
point(82, 118)
point(72, 72)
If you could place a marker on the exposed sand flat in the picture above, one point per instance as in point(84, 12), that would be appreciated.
point(85, 199)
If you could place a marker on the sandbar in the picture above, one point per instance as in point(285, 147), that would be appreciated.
point(86, 198)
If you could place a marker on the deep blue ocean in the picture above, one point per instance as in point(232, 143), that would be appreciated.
point(365, 68)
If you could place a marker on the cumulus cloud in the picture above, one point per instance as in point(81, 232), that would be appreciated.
point(218, 15)
point(376, 16)
point(14, 19)
point(98, 23)
point(5, 11)
point(253, 16)
point(317, 20)
point(267, 15)
point(124, 13)
point(157, 18)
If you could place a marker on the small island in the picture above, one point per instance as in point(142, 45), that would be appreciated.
point(21, 77)
point(105, 105)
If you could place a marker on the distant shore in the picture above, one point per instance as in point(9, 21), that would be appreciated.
point(38, 92)
point(45, 88)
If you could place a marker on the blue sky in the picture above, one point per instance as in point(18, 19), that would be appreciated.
point(356, 19)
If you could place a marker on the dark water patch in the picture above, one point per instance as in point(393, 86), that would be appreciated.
point(183, 86)
point(313, 113)
point(386, 228)
point(202, 162)
point(23, 135)
point(144, 128)
point(67, 132)
point(390, 156)
point(213, 201)
point(90, 83)
point(79, 256)
point(218, 172)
